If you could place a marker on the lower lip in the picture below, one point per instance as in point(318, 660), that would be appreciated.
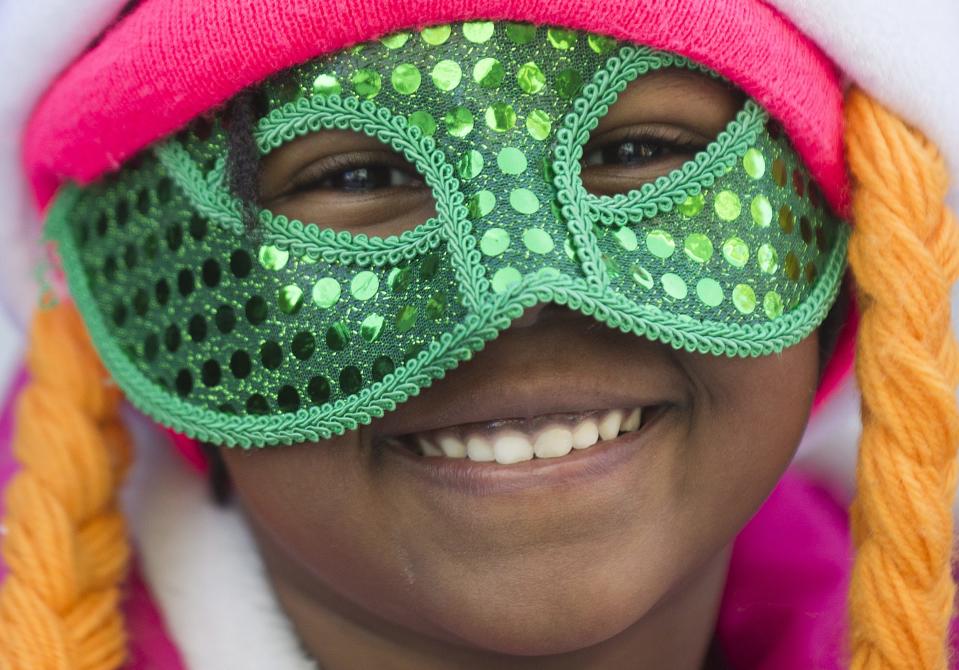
point(488, 478)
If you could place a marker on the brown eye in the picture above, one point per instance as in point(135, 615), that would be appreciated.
point(359, 178)
point(345, 180)
point(628, 153)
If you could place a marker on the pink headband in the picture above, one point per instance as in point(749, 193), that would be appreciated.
point(171, 60)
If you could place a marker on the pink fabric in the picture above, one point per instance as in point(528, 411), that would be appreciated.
point(7, 465)
point(150, 647)
point(170, 60)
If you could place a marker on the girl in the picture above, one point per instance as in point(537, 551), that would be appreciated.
point(498, 325)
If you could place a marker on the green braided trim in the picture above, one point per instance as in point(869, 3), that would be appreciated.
point(665, 192)
point(444, 353)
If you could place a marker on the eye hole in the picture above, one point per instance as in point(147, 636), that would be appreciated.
point(627, 158)
point(660, 121)
point(345, 181)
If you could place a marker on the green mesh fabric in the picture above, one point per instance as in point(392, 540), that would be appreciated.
point(295, 331)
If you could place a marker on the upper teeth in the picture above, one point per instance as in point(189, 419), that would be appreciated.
point(518, 442)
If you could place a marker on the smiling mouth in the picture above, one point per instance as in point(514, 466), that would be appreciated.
point(511, 441)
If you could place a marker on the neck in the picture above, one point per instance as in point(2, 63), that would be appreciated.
point(676, 633)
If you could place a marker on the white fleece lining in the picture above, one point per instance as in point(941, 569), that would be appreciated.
point(202, 566)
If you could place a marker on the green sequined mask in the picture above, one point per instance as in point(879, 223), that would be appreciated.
point(296, 332)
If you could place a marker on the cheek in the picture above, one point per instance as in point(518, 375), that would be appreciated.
point(744, 429)
point(318, 522)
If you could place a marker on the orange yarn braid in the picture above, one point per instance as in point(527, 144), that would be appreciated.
point(904, 254)
point(65, 545)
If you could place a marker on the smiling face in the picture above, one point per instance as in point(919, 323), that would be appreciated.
point(571, 490)
point(469, 306)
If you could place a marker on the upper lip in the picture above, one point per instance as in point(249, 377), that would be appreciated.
point(547, 367)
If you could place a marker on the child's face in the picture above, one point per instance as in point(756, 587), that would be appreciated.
point(545, 555)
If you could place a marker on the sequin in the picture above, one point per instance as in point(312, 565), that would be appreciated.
point(318, 388)
point(256, 310)
point(568, 248)
point(799, 185)
point(424, 121)
point(240, 264)
point(399, 279)
point(568, 83)
point(538, 124)
point(459, 122)
point(366, 83)
point(530, 78)
point(811, 272)
point(754, 164)
point(429, 266)
point(524, 201)
point(709, 292)
point(786, 220)
point(478, 31)
point(728, 206)
point(601, 44)
point(767, 258)
point(488, 73)
point(538, 240)
point(698, 247)
point(500, 116)
point(287, 399)
point(642, 276)
point(436, 35)
point(612, 266)
point(736, 252)
point(172, 339)
point(660, 243)
point(326, 84)
point(337, 336)
point(446, 75)
point(626, 238)
point(271, 355)
point(561, 39)
point(692, 205)
point(405, 79)
point(511, 161)
point(257, 404)
point(351, 379)
point(504, 278)
point(744, 298)
point(805, 230)
point(674, 285)
point(240, 364)
point(791, 266)
point(184, 383)
point(197, 328)
point(326, 292)
point(779, 172)
point(773, 305)
point(520, 33)
point(272, 258)
point(480, 204)
point(436, 306)
point(494, 241)
point(303, 345)
point(405, 319)
point(395, 41)
point(382, 366)
point(761, 211)
point(470, 165)
point(290, 299)
point(364, 285)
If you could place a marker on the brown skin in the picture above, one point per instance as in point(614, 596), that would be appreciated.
point(377, 566)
